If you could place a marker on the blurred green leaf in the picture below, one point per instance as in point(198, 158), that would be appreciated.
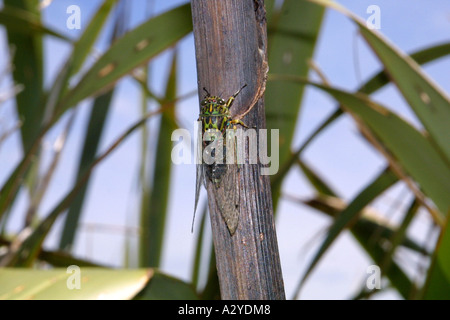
point(375, 83)
point(400, 234)
point(28, 70)
point(377, 251)
point(270, 7)
point(416, 154)
point(391, 244)
point(319, 184)
point(427, 100)
point(132, 50)
point(95, 284)
point(163, 287)
point(437, 286)
point(63, 259)
point(363, 230)
point(94, 132)
point(29, 243)
point(97, 117)
point(57, 258)
point(292, 38)
point(154, 218)
point(369, 222)
point(81, 49)
point(421, 57)
point(148, 48)
point(211, 291)
point(18, 20)
point(38, 193)
point(412, 149)
point(351, 213)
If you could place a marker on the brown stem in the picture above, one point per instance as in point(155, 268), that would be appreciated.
point(230, 41)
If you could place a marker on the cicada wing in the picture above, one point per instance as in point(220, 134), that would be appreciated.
point(227, 198)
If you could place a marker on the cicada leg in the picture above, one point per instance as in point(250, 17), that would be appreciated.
point(238, 121)
point(231, 99)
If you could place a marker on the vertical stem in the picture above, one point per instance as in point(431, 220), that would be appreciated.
point(230, 40)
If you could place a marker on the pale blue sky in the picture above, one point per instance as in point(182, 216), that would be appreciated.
point(339, 154)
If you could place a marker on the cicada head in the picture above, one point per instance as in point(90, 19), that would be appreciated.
point(214, 113)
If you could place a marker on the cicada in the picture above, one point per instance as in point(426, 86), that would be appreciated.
point(216, 119)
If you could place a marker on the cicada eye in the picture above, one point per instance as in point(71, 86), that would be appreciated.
point(221, 101)
point(203, 103)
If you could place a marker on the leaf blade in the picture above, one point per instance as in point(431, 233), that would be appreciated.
point(28, 71)
point(351, 213)
point(22, 21)
point(429, 102)
point(153, 219)
point(130, 51)
point(416, 154)
point(375, 83)
point(291, 44)
point(437, 285)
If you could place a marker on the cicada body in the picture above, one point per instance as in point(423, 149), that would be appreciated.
point(215, 118)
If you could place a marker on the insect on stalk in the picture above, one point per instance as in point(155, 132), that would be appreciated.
point(216, 119)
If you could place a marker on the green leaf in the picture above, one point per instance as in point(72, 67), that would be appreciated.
point(81, 50)
point(23, 21)
point(420, 57)
point(28, 71)
point(211, 291)
point(392, 242)
point(163, 287)
point(366, 222)
point(99, 111)
point(375, 83)
point(154, 218)
point(318, 183)
point(25, 252)
point(400, 234)
point(32, 136)
point(427, 100)
point(291, 45)
point(95, 284)
point(429, 103)
point(416, 154)
point(352, 213)
point(97, 118)
point(413, 150)
point(270, 7)
point(63, 259)
point(132, 50)
point(395, 274)
point(83, 47)
point(437, 286)
point(363, 230)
